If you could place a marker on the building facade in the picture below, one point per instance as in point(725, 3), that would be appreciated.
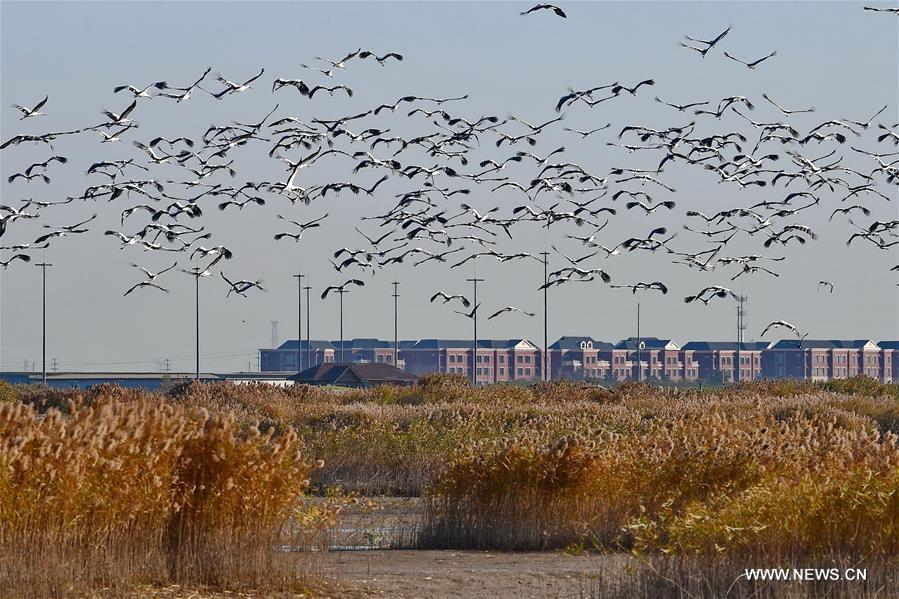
point(496, 360)
point(586, 358)
point(295, 356)
point(719, 361)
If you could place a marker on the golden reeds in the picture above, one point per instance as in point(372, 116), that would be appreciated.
point(202, 484)
point(119, 493)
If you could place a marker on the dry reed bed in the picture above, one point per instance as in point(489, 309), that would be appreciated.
point(114, 494)
point(703, 483)
point(777, 468)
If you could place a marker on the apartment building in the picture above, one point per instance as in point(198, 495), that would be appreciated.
point(584, 357)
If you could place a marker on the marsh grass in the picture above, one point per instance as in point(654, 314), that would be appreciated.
point(201, 484)
point(114, 494)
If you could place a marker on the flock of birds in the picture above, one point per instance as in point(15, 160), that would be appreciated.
point(804, 171)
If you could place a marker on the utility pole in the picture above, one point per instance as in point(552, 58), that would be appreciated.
point(341, 292)
point(396, 341)
point(741, 299)
point(639, 347)
point(546, 366)
point(474, 353)
point(197, 280)
point(308, 306)
point(44, 266)
point(196, 273)
point(299, 277)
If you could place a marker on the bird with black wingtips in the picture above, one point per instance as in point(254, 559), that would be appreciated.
point(752, 64)
point(709, 44)
point(640, 285)
point(706, 294)
point(783, 324)
point(558, 11)
point(242, 286)
point(382, 60)
point(23, 257)
point(140, 93)
point(510, 309)
point(33, 111)
point(446, 297)
point(342, 287)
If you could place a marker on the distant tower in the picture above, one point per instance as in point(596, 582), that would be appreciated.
point(741, 326)
point(274, 334)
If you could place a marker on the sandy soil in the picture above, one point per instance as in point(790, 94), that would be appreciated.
point(438, 574)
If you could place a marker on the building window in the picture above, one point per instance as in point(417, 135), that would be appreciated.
point(527, 371)
point(487, 359)
point(527, 360)
point(452, 357)
point(502, 359)
point(389, 359)
point(519, 371)
point(502, 371)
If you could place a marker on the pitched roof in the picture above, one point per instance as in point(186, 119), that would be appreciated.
point(354, 374)
point(649, 343)
point(725, 346)
point(466, 343)
point(313, 343)
point(574, 342)
point(825, 344)
point(362, 343)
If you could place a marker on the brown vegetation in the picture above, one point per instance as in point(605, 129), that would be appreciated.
point(202, 484)
point(112, 494)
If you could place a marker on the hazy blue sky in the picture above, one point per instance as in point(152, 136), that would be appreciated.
point(831, 55)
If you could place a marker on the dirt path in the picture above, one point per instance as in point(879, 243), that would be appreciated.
point(439, 574)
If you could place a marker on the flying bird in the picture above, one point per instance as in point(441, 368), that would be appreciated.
point(241, 287)
point(509, 309)
point(30, 112)
point(754, 63)
point(141, 93)
point(658, 286)
point(784, 325)
point(707, 294)
point(888, 9)
point(342, 288)
point(13, 258)
point(551, 7)
point(709, 44)
point(143, 284)
point(471, 314)
point(447, 298)
point(303, 226)
point(380, 59)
